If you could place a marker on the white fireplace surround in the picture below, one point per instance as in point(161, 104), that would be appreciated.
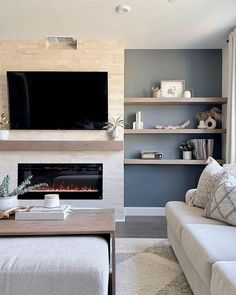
point(90, 55)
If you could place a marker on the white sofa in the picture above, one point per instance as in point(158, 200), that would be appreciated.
point(205, 248)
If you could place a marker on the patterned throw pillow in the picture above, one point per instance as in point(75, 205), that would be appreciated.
point(207, 184)
point(222, 206)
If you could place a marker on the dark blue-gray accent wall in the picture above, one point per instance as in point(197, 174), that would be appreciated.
point(154, 185)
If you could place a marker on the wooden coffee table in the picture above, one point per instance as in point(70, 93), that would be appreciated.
point(79, 222)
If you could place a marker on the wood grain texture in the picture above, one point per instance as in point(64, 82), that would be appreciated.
point(181, 100)
point(167, 162)
point(60, 145)
point(89, 221)
point(174, 131)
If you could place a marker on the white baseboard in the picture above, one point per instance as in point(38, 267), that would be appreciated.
point(144, 211)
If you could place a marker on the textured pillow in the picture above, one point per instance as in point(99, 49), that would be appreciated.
point(222, 206)
point(208, 182)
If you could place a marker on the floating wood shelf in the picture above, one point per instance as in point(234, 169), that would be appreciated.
point(174, 131)
point(60, 145)
point(181, 100)
point(167, 162)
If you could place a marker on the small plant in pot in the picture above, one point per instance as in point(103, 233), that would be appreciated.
point(112, 127)
point(4, 132)
point(187, 149)
point(9, 199)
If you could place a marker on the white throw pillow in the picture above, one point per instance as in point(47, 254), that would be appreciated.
point(208, 183)
point(222, 206)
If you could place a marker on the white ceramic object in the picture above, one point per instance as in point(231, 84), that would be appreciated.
point(4, 134)
point(155, 94)
point(187, 94)
point(187, 155)
point(138, 125)
point(201, 124)
point(51, 200)
point(159, 93)
point(115, 133)
point(210, 123)
point(8, 203)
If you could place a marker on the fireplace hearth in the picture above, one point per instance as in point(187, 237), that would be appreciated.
point(70, 181)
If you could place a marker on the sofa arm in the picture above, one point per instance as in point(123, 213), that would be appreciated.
point(189, 196)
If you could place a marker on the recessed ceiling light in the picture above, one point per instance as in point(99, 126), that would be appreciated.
point(123, 9)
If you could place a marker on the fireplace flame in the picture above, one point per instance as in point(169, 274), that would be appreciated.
point(66, 188)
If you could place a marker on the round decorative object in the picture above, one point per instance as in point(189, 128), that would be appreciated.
point(4, 134)
point(210, 123)
point(201, 124)
point(8, 203)
point(51, 200)
point(187, 155)
point(187, 94)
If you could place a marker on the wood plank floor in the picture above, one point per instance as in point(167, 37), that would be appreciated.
point(142, 227)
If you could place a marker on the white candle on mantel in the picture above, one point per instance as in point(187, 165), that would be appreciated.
point(138, 117)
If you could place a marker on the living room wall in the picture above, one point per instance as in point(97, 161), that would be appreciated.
point(154, 185)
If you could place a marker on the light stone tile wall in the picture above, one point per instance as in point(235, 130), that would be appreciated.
point(90, 55)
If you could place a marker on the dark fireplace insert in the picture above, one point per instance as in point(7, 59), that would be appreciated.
point(70, 181)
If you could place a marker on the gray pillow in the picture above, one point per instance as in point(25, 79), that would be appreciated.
point(208, 182)
point(222, 206)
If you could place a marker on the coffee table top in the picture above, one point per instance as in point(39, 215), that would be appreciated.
point(84, 221)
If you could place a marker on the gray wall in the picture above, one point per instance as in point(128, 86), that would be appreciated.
point(148, 185)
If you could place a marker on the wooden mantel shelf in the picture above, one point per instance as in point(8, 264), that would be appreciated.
point(60, 145)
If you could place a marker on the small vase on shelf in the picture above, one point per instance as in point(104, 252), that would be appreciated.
point(138, 124)
point(201, 125)
point(187, 155)
point(210, 123)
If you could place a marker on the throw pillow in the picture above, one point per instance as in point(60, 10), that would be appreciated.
point(222, 206)
point(208, 183)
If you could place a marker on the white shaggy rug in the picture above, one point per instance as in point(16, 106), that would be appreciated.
point(148, 267)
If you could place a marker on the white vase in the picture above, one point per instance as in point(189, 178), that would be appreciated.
point(210, 123)
point(187, 94)
point(187, 155)
point(155, 94)
point(115, 133)
point(8, 203)
point(4, 134)
point(201, 124)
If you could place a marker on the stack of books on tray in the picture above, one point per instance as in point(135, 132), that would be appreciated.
point(40, 213)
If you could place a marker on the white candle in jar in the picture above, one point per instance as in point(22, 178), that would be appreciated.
point(51, 200)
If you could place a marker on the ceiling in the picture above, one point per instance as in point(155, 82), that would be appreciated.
point(149, 24)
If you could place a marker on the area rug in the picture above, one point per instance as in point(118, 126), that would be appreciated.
point(148, 267)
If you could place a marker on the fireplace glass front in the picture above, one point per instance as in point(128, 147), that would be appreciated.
point(70, 181)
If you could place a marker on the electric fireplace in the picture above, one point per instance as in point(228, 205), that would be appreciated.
point(70, 181)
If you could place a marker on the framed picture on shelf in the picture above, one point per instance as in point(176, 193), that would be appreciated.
point(172, 88)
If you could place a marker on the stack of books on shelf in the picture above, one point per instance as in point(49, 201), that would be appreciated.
point(203, 148)
point(42, 213)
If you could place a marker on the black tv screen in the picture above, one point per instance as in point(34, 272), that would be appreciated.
point(58, 100)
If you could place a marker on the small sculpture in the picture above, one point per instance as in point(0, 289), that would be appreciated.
point(182, 126)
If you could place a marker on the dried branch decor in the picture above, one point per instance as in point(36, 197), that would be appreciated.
point(23, 188)
point(3, 121)
point(214, 113)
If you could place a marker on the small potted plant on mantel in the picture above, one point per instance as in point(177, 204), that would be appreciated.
point(112, 127)
point(4, 131)
point(10, 200)
point(187, 149)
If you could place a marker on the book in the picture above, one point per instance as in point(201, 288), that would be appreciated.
point(44, 209)
point(43, 215)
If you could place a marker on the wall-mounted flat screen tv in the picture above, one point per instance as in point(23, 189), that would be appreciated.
point(58, 100)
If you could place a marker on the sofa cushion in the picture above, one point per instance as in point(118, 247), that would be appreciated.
point(205, 244)
point(54, 265)
point(223, 205)
point(223, 281)
point(179, 214)
point(208, 183)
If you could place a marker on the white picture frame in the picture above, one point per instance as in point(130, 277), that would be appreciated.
point(172, 88)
